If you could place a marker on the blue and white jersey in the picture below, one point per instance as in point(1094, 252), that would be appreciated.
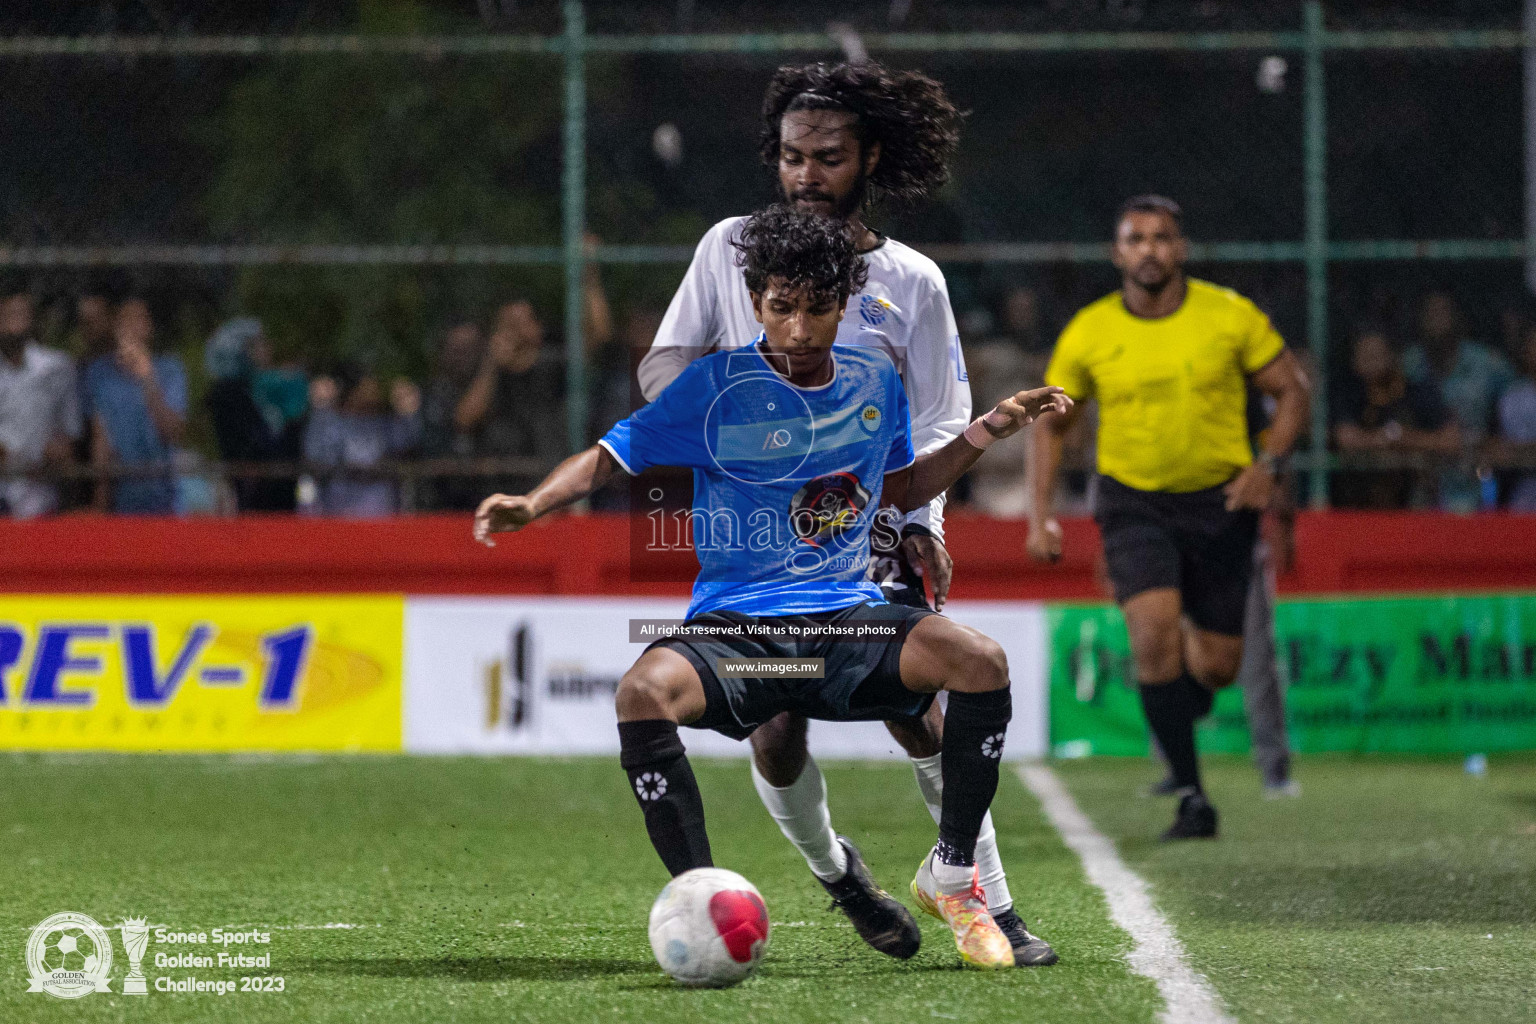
point(786, 480)
point(903, 311)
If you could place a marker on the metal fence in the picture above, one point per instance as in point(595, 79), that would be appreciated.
point(418, 484)
point(1312, 249)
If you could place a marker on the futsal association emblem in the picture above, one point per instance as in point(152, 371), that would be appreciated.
point(826, 507)
point(69, 956)
point(873, 310)
point(869, 418)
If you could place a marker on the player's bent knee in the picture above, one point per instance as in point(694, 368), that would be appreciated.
point(983, 665)
point(643, 694)
point(993, 663)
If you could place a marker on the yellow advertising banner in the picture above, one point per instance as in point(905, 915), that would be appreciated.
point(201, 672)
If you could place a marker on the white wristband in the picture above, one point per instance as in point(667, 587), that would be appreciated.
point(978, 435)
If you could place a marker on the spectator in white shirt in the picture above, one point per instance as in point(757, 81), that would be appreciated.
point(39, 411)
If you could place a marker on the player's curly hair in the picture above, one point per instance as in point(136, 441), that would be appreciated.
point(808, 252)
point(907, 112)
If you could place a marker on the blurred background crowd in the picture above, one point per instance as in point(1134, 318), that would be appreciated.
point(156, 357)
point(92, 380)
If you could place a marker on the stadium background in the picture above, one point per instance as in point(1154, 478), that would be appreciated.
point(359, 174)
point(228, 160)
point(356, 176)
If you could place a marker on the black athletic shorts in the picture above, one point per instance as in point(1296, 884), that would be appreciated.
point(861, 681)
point(1186, 541)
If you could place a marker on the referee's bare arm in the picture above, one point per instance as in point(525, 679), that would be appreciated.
point(1044, 542)
point(1286, 382)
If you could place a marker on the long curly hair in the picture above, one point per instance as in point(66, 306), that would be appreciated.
point(907, 112)
point(809, 253)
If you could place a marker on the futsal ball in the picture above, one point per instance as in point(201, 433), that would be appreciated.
point(709, 928)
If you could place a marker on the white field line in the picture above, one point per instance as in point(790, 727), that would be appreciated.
point(1156, 952)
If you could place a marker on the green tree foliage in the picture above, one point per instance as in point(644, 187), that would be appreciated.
point(384, 149)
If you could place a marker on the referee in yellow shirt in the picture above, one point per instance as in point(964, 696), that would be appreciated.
point(1168, 358)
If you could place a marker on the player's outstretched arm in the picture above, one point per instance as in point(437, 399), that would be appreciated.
point(572, 480)
point(932, 474)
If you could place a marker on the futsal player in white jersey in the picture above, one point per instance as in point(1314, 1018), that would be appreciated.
point(842, 138)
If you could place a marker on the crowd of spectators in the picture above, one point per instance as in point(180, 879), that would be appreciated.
point(109, 424)
point(1445, 395)
point(1433, 420)
point(1425, 417)
point(121, 404)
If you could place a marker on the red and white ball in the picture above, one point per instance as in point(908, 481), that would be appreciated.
point(709, 928)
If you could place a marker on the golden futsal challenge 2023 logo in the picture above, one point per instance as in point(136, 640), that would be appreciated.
point(70, 955)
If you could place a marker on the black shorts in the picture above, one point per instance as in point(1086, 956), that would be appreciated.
point(1188, 541)
point(861, 681)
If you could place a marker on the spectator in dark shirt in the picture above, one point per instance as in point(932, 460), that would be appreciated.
point(1021, 321)
point(513, 404)
point(459, 355)
point(1470, 378)
point(505, 397)
point(1517, 423)
point(90, 338)
point(1378, 409)
point(137, 404)
point(246, 427)
point(351, 426)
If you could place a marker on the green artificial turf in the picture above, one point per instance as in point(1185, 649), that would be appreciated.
point(516, 890)
point(502, 890)
point(1392, 890)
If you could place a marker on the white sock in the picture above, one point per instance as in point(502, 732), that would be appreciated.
point(801, 811)
point(950, 878)
point(994, 881)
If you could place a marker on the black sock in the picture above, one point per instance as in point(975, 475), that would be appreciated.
point(1172, 720)
point(1199, 698)
point(975, 725)
point(663, 782)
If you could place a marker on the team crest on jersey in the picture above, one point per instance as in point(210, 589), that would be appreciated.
point(874, 310)
point(869, 419)
point(826, 507)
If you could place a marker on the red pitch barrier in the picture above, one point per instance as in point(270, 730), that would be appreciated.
point(1337, 552)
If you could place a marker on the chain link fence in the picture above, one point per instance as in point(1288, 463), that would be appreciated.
point(362, 177)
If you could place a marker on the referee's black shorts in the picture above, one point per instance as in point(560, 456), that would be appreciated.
point(1187, 541)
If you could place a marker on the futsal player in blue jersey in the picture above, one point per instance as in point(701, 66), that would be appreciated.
point(797, 445)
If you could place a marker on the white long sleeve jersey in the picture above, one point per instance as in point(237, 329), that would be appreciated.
point(903, 310)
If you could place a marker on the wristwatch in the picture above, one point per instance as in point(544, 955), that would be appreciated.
point(1271, 462)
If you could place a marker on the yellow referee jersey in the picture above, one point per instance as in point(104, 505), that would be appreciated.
point(1172, 392)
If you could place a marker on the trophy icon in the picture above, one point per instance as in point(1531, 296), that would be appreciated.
point(135, 937)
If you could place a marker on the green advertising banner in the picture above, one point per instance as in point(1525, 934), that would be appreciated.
point(1445, 674)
